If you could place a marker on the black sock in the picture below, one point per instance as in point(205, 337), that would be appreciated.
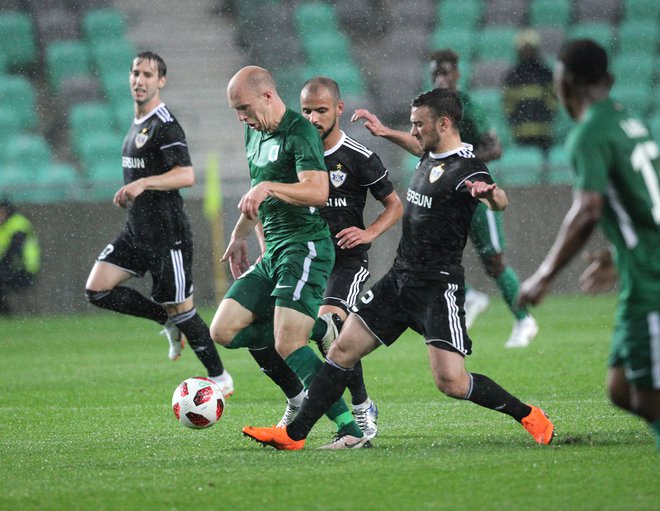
point(327, 387)
point(485, 392)
point(356, 385)
point(193, 327)
point(127, 300)
point(274, 366)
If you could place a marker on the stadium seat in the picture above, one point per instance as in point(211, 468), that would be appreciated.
point(100, 148)
point(638, 36)
point(555, 13)
point(465, 14)
point(123, 114)
point(461, 40)
point(636, 97)
point(315, 17)
point(634, 69)
point(103, 25)
point(89, 118)
point(17, 43)
point(505, 12)
point(599, 32)
point(488, 73)
point(57, 182)
point(326, 48)
point(113, 56)
point(490, 101)
point(497, 43)
point(104, 178)
point(10, 125)
point(641, 10)
point(65, 59)
point(559, 171)
point(518, 166)
point(606, 11)
point(29, 152)
point(654, 126)
point(562, 126)
point(18, 93)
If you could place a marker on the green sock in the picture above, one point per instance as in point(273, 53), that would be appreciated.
point(655, 427)
point(319, 330)
point(346, 424)
point(256, 335)
point(306, 364)
point(510, 287)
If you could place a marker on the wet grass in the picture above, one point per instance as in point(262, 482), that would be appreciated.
point(86, 424)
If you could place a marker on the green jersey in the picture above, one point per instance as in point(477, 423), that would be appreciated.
point(474, 124)
point(293, 147)
point(613, 153)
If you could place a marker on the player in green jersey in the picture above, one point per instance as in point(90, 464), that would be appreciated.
point(275, 302)
point(617, 185)
point(486, 229)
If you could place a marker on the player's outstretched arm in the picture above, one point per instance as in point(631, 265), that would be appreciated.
point(489, 193)
point(378, 129)
point(574, 232)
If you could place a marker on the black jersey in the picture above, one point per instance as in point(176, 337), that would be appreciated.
point(437, 214)
point(353, 170)
point(154, 145)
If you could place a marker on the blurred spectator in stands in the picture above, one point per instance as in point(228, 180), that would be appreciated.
point(529, 101)
point(19, 252)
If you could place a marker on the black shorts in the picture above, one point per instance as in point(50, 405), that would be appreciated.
point(432, 308)
point(170, 265)
point(347, 280)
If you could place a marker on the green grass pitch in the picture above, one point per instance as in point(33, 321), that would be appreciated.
point(86, 424)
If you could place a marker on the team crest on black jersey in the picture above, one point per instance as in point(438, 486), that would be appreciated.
point(141, 138)
point(436, 172)
point(338, 176)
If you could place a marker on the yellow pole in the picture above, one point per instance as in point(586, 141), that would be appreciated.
point(213, 212)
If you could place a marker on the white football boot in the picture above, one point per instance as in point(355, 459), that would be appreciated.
point(524, 330)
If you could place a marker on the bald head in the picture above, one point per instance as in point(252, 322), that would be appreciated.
point(254, 79)
point(252, 93)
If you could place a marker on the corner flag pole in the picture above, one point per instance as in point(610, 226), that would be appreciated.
point(213, 213)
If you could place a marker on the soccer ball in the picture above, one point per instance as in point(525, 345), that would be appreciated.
point(198, 403)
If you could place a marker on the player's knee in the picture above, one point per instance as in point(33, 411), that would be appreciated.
point(343, 354)
point(95, 297)
point(451, 387)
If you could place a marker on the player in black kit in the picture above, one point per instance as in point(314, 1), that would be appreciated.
point(424, 289)
point(156, 237)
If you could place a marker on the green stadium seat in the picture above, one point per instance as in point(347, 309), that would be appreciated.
point(490, 101)
point(28, 152)
point(503, 130)
point(55, 183)
point(113, 56)
point(100, 148)
point(497, 43)
point(465, 14)
point(64, 59)
point(17, 41)
point(326, 48)
point(104, 178)
point(634, 69)
point(556, 13)
point(641, 10)
point(123, 114)
point(10, 125)
point(346, 74)
point(103, 25)
point(637, 98)
point(315, 17)
point(89, 118)
point(638, 36)
point(461, 40)
point(602, 33)
point(518, 166)
point(17, 93)
point(559, 171)
point(562, 126)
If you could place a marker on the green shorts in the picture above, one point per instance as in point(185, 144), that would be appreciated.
point(487, 231)
point(636, 348)
point(293, 276)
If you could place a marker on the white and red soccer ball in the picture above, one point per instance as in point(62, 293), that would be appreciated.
point(198, 402)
